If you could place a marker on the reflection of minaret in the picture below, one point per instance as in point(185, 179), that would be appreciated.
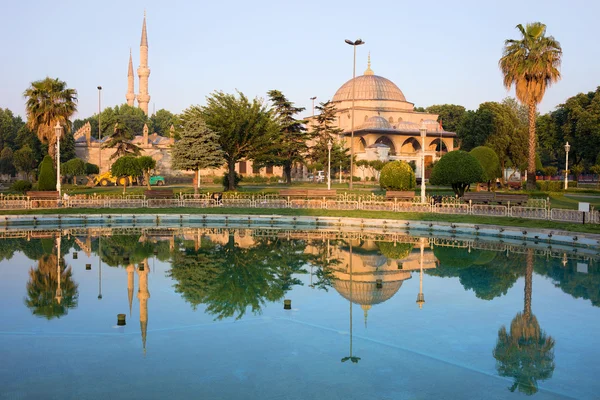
point(366, 308)
point(130, 96)
point(352, 358)
point(143, 97)
point(143, 296)
point(58, 289)
point(99, 268)
point(421, 296)
point(130, 284)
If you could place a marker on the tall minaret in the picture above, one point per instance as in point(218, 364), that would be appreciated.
point(143, 97)
point(130, 96)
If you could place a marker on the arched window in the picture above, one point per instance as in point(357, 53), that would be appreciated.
point(391, 120)
point(388, 142)
point(362, 145)
point(366, 118)
point(411, 145)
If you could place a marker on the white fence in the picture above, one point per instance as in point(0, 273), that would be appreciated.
point(535, 209)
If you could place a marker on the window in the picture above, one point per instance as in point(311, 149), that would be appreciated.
point(269, 170)
point(391, 120)
point(242, 167)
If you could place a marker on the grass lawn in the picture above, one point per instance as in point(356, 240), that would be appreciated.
point(504, 221)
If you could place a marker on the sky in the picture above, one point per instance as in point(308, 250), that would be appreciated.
point(436, 52)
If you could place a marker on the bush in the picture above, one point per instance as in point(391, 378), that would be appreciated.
point(91, 169)
point(397, 175)
point(47, 178)
point(458, 169)
point(21, 186)
point(489, 161)
point(553, 186)
point(550, 171)
point(356, 179)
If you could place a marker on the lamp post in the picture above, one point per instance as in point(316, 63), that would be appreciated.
point(357, 42)
point(58, 129)
point(567, 148)
point(313, 104)
point(423, 131)
point(329, 146)
point(99, 131)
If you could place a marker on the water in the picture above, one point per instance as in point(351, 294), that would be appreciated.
point(421, 318)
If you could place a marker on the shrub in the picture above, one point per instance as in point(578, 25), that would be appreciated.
point(47, 178)
point(553, 186)
point(21, 186)
point(356, 179)
point(489, 161)
point(576, 170)
point(91, 169)
point(397, 175)
point(458, 169)
point(550, 170)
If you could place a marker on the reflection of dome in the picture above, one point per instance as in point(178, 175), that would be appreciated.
point(366, 293)
point(369, 87)
point(376, 122)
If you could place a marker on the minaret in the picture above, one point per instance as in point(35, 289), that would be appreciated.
point(143, 97)
point(143, 296)
point(130, 96)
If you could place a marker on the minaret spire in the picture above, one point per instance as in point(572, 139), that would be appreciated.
point(143, 97)
point(369, 71)
point(130, 96)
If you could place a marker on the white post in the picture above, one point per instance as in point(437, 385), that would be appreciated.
point(567, 148)
point(58, 132)
point(329, 145)
point(198, 180)
point(340, 172)
point(423, 131)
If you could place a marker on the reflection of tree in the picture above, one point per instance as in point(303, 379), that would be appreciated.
point(395, 251)
point(229, 279)
point(570, 281)
point(526, 353)
point(42, 285)
point(122, 250)
point(487, 273)
point(323, 260)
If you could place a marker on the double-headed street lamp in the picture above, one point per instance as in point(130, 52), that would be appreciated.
point(58, 129)
point(329, 146)
point(357, 42)
point(567, 148)
point(423, 131)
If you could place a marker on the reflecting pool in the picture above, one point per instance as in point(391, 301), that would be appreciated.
point(372, 316)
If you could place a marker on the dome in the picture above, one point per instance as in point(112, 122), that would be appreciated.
point(376, 122)
point(369, 87)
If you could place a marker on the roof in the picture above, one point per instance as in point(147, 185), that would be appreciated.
point(369, 87)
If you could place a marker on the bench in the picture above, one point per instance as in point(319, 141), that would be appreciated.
point(517, 199)
point(44, 195)
point(479, 197)
point(400, 195)
point(158, 194)
point(306, 193)
point(516, 185)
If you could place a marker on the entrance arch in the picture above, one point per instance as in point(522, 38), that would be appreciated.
point(411, 145)
point(388, 142)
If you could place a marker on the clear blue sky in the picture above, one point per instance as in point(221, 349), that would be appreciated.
point(436, 52)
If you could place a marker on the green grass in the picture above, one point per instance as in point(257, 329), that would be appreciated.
point(388, 215)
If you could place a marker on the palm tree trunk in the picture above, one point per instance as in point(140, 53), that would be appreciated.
point(528, 284)
point(532, 142)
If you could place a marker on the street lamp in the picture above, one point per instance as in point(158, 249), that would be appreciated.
point(99, 131)
point(567, 148)
point(58, 129)
point(423, 131)
point(329, 146)
point(313, 104)
point(358, 42)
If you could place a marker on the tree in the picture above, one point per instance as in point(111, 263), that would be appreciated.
point(449, 115)
point(362, 165)
point(198, 147)
point(47, 178)
point(397, 175)
point(531, 65)
point(125, 167)
point(147, 164)
point(291, 145)
point(458, 169)
point(49, 102)
point(488, 159)
point(9, 128)
point(24, 160)
point(245, 127)
point(577, 170)
point(91, 169)
point(7, 162)
point(73, 168)
point(121, 140)
point(67, 147)
point(324, 131)
point(162, 120)
point(376, 167)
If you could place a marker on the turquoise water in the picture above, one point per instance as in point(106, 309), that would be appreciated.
point(370, 318)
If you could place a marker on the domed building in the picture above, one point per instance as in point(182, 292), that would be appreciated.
point(386, 126)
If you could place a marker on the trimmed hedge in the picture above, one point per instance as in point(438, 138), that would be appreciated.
point(397, 175)
point(47, 178)
point(553, 186)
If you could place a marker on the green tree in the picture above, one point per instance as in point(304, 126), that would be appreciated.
point(67, 147)
point(147, 164)
point(245, 127)
point(577, 170)
point(27, 138)
point(125, 167)
point(198, 147)
point(488, 159)
point(73, 168)
point(397, 175)
point(531, 64)
point(449, 115)
point(550, 171)
point(9, 128)
point(376, 167)
point(47, 178)
point(91, 169)
point(324, 131)
point(458, 169)
point(162, 120)
point(291, 145)
point(120, 140)
point(7, 162)
point(362, 165)
point(49, 102)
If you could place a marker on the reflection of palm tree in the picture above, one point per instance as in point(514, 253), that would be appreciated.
point(42, 285)
point(352, 358)
point(526, 353)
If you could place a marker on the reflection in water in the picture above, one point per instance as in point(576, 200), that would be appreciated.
point(526, 353)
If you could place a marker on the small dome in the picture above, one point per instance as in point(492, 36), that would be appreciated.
point(376, 123)
point(369, 87)
point(407, 126)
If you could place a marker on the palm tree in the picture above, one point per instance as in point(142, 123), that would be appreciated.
point(49, 101)
point(531, 64)
point(526, 353)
